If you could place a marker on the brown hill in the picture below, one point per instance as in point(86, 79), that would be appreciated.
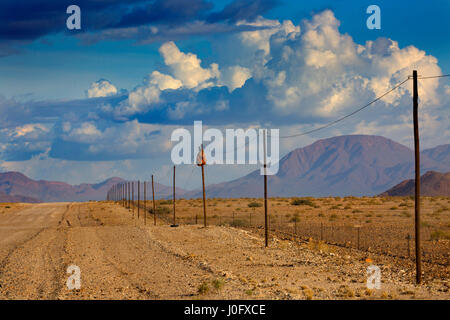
point(17, 198)
point(17, 184)
point(432, 183)
point(440, 153)
point(339, 166)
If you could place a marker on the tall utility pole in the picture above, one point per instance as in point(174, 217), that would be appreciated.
point(203, 163)
point(265, 193)
point(174, 216)
point(154, 207)
point(417, 178)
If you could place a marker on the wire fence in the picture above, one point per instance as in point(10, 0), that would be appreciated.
point(391, 239)
point(385, 238)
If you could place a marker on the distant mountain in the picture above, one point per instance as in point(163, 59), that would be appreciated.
point(15, 184)
point(17, 198)
point(346, 165)
point(432, 183)
point(440, 153)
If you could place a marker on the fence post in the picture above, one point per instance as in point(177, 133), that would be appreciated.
point(154, 206)
point(145, 204)
point(204, 191)
point(174, 214)
point(408, 238)
point(358, 238)
point(139, 196)
point(132, 197)
point(321, 231)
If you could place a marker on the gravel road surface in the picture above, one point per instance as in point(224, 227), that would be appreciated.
point(121, 258)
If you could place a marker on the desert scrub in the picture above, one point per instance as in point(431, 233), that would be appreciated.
point(203, 288)
point(238, 223)
point(346, 292)
point(442, 209)
point(406, 214)
point(307, 292)
point(254, 204)
point(161, 210)
point(405, 204)
point(356, 211)
point(319, 246)
point(249, 292)
point(302, 202)
point(162, 202)
point(425, 224)
point(218, 283)
point(439, 235)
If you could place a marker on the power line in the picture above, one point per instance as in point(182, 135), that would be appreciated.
point(346, 116)
point(342, 118)
point(432, 77)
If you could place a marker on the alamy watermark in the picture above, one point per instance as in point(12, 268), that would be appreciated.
point(74, 280)
point(73, 22)
point(373, 277)
point(219, 151)
point(374, 20)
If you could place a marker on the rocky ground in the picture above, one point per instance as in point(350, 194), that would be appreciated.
point(121, 258)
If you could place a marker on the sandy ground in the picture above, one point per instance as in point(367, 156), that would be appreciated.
point(121, 258)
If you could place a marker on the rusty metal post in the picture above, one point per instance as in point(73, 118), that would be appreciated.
point(139, 197)
point(154, 206)
point(204, 192)
point(145, 205)
point(408, 238)
point(358, 238)
point(321, 231)
point(132, 197)
point(174, 211)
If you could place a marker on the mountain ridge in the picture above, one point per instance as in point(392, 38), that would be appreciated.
point(13, 183)
point(432, 184)
point(344, 165)
point(338, 166)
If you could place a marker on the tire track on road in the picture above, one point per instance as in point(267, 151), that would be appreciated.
point(33, 268)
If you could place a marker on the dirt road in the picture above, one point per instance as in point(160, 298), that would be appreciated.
point(120, 258)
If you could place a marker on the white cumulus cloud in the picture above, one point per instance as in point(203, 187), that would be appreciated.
point(101, 88)
point(187, 68)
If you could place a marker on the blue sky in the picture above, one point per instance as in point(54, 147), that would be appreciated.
point(81, 106)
